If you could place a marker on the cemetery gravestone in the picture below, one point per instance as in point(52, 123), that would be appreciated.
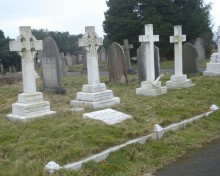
point(141, 55)
point(200, 48)
point(213, 67)
point(108, 116)
point(94, 94)
point(178, 80)
point(30, 103)
point(126, 48)
point(102, 54)
point(189, 59)
point(150, 87)
point(62, 64)
point(51, 70)
point(116, 63)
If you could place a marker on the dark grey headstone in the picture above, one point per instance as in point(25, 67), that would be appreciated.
point(189, 59)
point(102, 56)
point(126, 48)
point(50, 63)
point(62, 64)
point(141, 58)
point(116, 61)
point(200, 48)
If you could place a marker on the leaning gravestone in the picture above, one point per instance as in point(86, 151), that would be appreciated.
point(51, 70)
point(116, 63)
point(126, 48)
point(189, 59)
point(30, 103)
point(200, 48)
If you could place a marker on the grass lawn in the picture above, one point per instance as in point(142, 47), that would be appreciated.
point(66, 137)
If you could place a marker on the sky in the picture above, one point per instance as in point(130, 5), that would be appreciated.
point(63, 15)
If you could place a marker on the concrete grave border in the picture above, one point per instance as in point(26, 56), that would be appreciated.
point(158, 134)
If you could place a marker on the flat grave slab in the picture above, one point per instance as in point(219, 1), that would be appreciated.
point(108, 116)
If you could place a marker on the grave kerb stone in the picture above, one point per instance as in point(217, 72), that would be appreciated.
point(149, 39)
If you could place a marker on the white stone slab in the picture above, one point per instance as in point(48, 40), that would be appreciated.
point(108, 116)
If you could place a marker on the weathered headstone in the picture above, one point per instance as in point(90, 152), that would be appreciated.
point(213, 67)
point(178, 80)
point(102, 56)
point(126, 48)
point(141, 57)
point(150, 87)
point(51, 70)
point(116, 63)
point(200, 48)
point(62, 65)
point(108, 116)
point(189, 59)
point(30, 103)
point(94, 94)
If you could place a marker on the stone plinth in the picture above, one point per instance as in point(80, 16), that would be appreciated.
point(178, 82)
point(213, 67)
point(94, 96)
point(30, 106)
point(148, 88)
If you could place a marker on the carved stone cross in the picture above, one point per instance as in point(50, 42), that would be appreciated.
point(27, 46)
point(149, 38)
point(126, 48)
point(177, 39)
point(91, 42)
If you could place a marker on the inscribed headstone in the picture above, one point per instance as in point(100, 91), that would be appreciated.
point(200, 48)
point(108, 116)
point(116, 61)
point(30, 103)
point(51, 70)
point(189, 59)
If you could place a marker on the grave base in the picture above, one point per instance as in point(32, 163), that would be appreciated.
point(30, 106)
point(149, 89)
point(79, 105)
point(94, 96)
point(213, 69)
point(179, 82)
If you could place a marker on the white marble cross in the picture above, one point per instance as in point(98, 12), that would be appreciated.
point(177, 39)
point(218, 35)
point(149, 39)
point(91, 42)
point(27, 46)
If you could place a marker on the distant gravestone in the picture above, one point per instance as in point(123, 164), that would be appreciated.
point(50, 63)
point(102, 54)
point(200, 48)
point(62, 64)
point(141, 55)
point(116, 62)
point(189, 59)
point(126, 48)
point(108, 116)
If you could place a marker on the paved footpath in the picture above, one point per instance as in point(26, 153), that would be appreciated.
point(203, 162)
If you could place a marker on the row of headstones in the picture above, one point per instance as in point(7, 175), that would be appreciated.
point(94, 94)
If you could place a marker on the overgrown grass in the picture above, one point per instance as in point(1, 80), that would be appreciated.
point(66, 137)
